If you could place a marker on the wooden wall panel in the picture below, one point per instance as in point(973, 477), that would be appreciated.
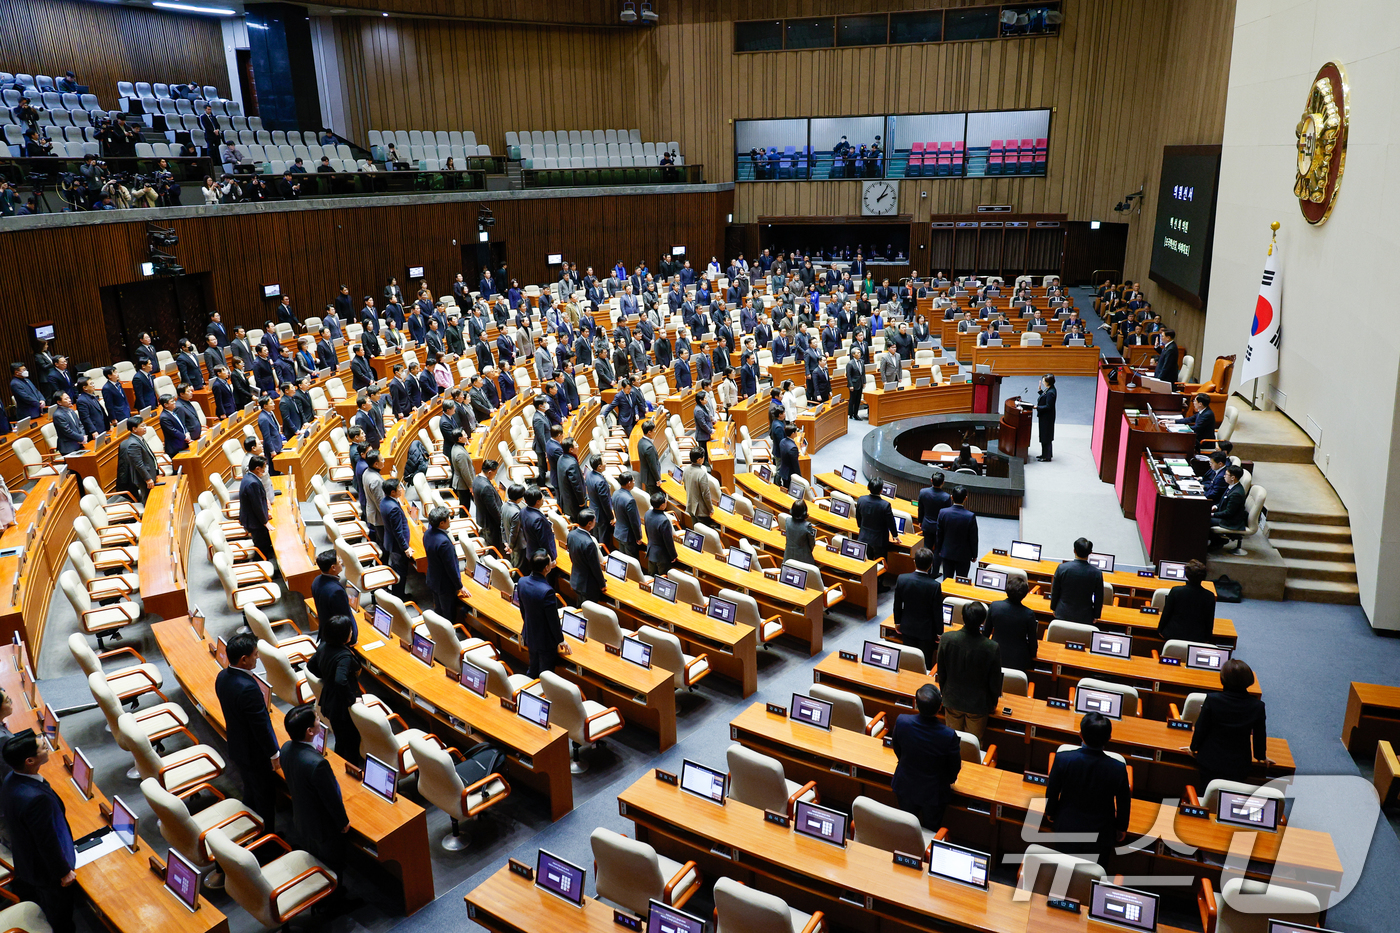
point(312, 252)
point(104, 43)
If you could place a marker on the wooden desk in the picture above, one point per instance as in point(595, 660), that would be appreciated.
point(887, 405)
point(124, 893)
point(856, 489)
point(205, 457)
point(823, 424)
point(683, 405)
point(164, 547)
point(1110, 401)
point(1124, 584)
point(507, 903)
point(301, 459)
point(1162, 683)
point(394, 834)
point(290, 539)
point(1171, 526)
point(645, 697)
point(1373, 715)
point(1035, 361)
point(735, 840)
point(25, 592)
point(1138, 434)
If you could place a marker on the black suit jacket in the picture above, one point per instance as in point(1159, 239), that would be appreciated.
point(329, 596)
point(875, 516)
point(661, 538)
point(252, 504)
point(1013, 627)
point(361, 372)
point(600, 501)
point(251, 740)
point(931, 503)
point(573, 495)
point(1167, 364)
point(444, 573)
point(957, 534)
point(41, 843)
point(488, 508)
point(650, 472)
point(69, 425)
point(628, 529)
point(1230, 727)
point(1189, 614)
point(1231, 513)
point(1088, 793)
point(929, 755)
point(1077, 593)
point(318, 811)
point(585, 569)
point(918, 606)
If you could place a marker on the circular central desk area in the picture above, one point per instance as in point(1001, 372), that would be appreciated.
point(893, 452)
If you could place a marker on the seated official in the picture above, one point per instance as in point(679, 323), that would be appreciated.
point(1232, 512)
point(1076, 595)
point(1230, 732)
point(1013, 626)
point(1202, 419)
point(1214, 480)
point(929, 759)
point(1189, 612)
point(1088, 793)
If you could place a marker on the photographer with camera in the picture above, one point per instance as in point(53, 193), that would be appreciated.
point(229, 190)
point(286, 189)
point(25, 115)
point(36, 147)
point(117, 191)
point(9, 199)
point(117, 137)
point(256, 190)
point(93, 172)
point(166, 185)
point(143, 193)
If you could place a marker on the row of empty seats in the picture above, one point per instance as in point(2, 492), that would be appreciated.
point(1005, 157)
point(558, 137)
point(50, 100)
point(435, 153)
point(402, 138)
point(591, 155)
point(940, 158)
point(157, 98)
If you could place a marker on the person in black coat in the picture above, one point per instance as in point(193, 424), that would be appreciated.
point(585, 568)
point(114, 396)
point(875, 516)
point(252, 745)
point(918, 607)
point(1088, 792)
point(1203, 420)
point(328, 593)
point(339, 670)
point(67, 423)
point(539, 617)
point(650, 473)
point(599, 500)
point(396, 536)
point(572, 493)
point(487, 500)
point(789, 456)
point(929, 759)
point(957, 536)
point(1045, 414)
point(932, 500)
point(224, 402)
point(1013, 626)
point(627, 532)
point(539, 531)
point(1076, 594)
point(318, 810)
point(41, 841)
point(137, 470)
point(253, 510)
point(661, 537)
point(1230, 732)
point(172, 429)
point(1189, 612)
point(1167, 359)
point(444, 573)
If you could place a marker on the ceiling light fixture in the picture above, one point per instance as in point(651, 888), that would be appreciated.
point(187, 8)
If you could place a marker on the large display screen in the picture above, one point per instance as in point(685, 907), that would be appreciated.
point(1185, 221)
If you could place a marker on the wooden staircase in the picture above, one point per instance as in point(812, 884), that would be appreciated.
point(1318, 554)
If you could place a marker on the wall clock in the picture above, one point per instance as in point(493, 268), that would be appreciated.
point(879, 198)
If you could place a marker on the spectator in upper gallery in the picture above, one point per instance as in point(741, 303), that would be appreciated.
point(325, 165)
point(298, 167)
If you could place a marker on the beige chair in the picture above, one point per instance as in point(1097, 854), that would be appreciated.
point(602, 624)
point(298, 648)
point(848, 712)
point(236, 596)
point(104, 557)
point(228, 504)
point(35, 464)
point(100, 621)
point(1061, 631)
point(1244, 906)
point(366, 580)
point(186, 832)
point(834, 593)
point(499, 680)
point(890, 828)
point(687, 588)
point(120, 507)
point(1129, 694)
point(276, 892)
point(1047, 872)
point(587, 722)
point(112, 586)
point(24, 917)
point(158, 722)
point(667, 653)
point(1190, 707)
point(759, 781)
point(741, 909)
point(970, 749)
point(355, 538)
point(449, 642)
point(1254, 506)
point(1016, 683)
point(378, 738)
point(181, 773)
point(110, 534)
point(403, 623)
point(631, 874)
point(748, 614)
point(128, 683)
point(441, 784)
point(287, 683)
point(206, 522)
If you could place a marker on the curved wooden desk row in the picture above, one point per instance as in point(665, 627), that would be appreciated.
point(1026, 736)
point(124, 893)
point(393, 834)
point(992, 805)
point(888, 405)
point(1036, 361)
point(29, 575)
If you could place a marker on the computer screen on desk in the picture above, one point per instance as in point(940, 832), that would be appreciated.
point(380, 777)
point(124, 823)
point(841, 508)
point(574, 625)
point(383, 622)
point(664, 919)
point(724, 610)
point(793, 576)
point(703, 782)
point(693, 540)
point(533, 708)
point(473, 678)
point(855, 550)
point(1136, 910)
point(765, 473)
point(182, 879)
point(1102, 561)
point(1171, 570)
point(636, 651)
point(665, 589)
point(1206, 658)
point(1113, 645)
point(726, 503)
point(739, 560)
point(562, 879)
point(882, 656)
point(616, 567)
point(955, 863)
point(819, 822)
point(889, 489)
point(848, 473)
point(82, 773)
point(763, 519)
point(422, 648)
point(1247, 810)
point(1024, 550)
point(990, 579)
point(1087, 700)
point(810, 710)
point(482, 574)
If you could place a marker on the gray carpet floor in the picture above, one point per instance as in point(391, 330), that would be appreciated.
point(1305, 654)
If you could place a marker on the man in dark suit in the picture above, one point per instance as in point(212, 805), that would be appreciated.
point(1189, 611)
point(290, 408)
point(328, 593)
point(932, 501)
point(969, 673)
point(1167, 359)
point(187, 364)
point(396, 536)
point(1214, 479)
point(1076, 595)
point(918, 607)
point(1232, 512)
point(41, 841)
point(145, 350)
point(213, 355)
point(136, 465)
point(661, 537)
point(649, 459)
point(599, 499)
point(572, 493)
point(269, 431)
point(539, 617)
point(789, 456)
point(585, 567)
point(318, 811)
point(325, 351)
point(252, 745)
point(91, 412)
point(627, 532)
point(1088, 792)
point(539, 532)
point(67, 423)
point(225, 403)
point(1202, 420)
point(240, 347)
point(539, 424)
point(929, 759)
point(444, 573)
point(143, 387)
point(254, 512)
point(171, 427)
point(190, 414)
point(367, 421)
point(488, 507)
point(361, 372)
point(957, 536)
point(114, 396)
point(1045, 414)
point(264, 375)
point(875, 517)
point(29, 401)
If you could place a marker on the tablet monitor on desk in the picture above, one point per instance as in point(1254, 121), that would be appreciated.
point(855, 550)
point(899, 522)
point(765, 473)
point(889, 489)
point(990, 579)
point(383, 622)
point(534, 708)
point(481, 574)
point(664, 919)
point(819, 822)
point(124, 823)
point(1088, 700)
point(574, 625)
point(616, 567)
point(1206, 657)
point(1247, 810)
point(562, 879)
point(841, 508)
point(1102, 561)
point(793, 576)
point(182, 879)
point(1024, 550)
point(636, 651)
point(947, 615)
point(848, 473)
point(422, 648)
point(691, 539)
point(726, 503)
point(704, 782)
point(722, 609)
point(1171, 570)
point(739, 560)
point(473, 678)
point(318, 738)
point(221, 651)
point(678, 474)
point(665, 589)
point(381, 778)
point(955, 863)
point(763, 519)
point(882, 656)
point(82, 773)
point(810, 710)
point(1126, 907)
point(1111, 644)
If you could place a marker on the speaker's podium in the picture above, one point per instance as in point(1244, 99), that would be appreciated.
point(1015, 439)
point(986, 393)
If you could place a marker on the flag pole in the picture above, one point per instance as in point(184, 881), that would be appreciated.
point(1254, 389)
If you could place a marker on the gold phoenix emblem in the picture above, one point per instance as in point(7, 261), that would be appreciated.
point(1321, 139)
